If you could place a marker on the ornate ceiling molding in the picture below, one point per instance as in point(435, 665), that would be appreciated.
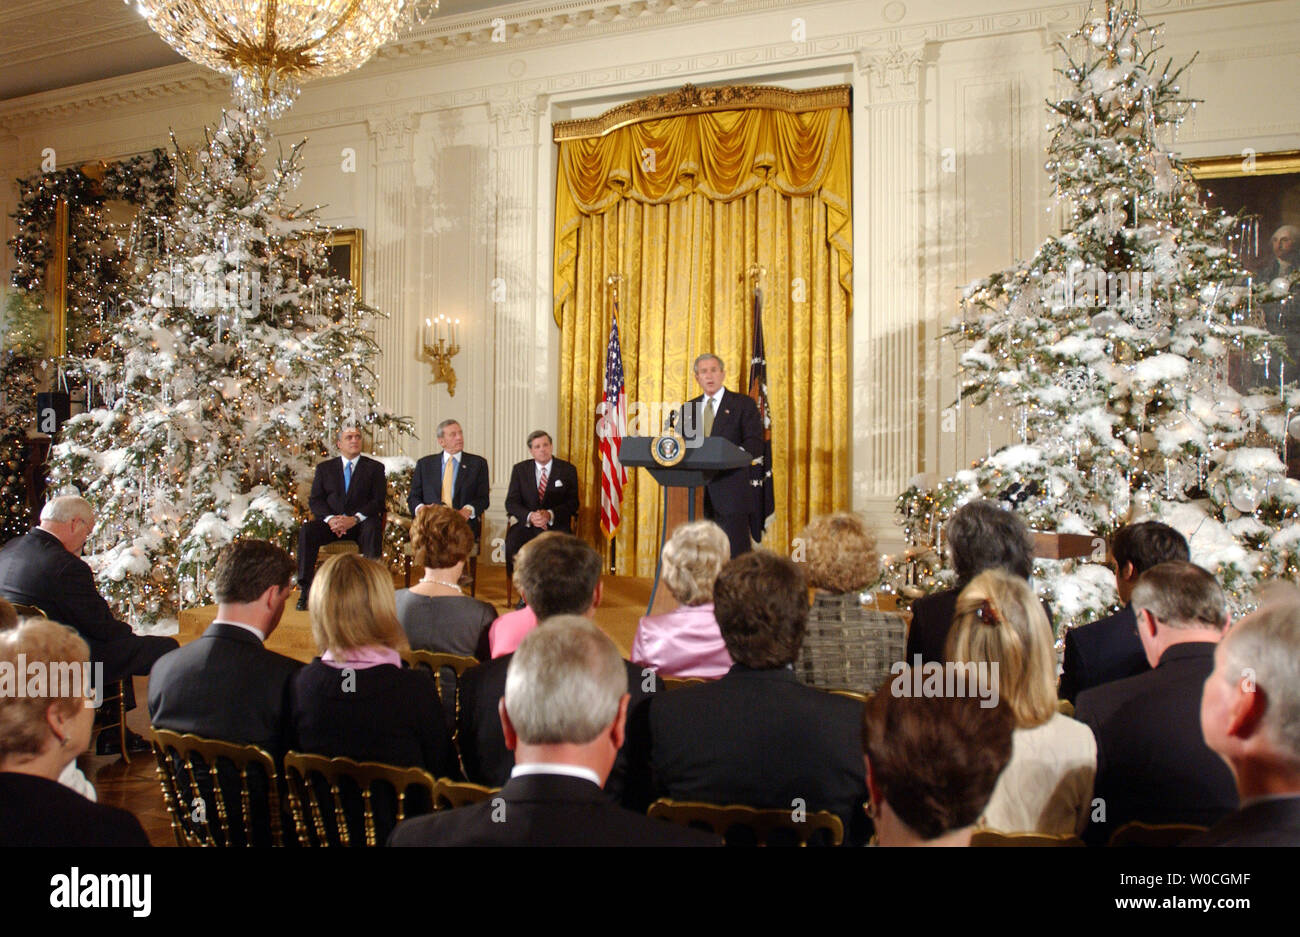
point(525, 26)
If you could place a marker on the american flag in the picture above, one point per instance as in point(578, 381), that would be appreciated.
point(612, 474)
point(760, 474)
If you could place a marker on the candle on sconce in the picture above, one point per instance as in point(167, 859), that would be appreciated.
point(428, 332)
point(455, 333)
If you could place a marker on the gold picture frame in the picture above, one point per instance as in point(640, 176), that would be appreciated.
point(344, 249)
point(1264, 187)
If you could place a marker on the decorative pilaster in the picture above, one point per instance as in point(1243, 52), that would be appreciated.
point(393, 186)
point(888, 359)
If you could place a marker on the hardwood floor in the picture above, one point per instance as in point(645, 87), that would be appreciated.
point(135, 786)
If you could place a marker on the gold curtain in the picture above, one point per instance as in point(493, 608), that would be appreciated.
point(681, 207)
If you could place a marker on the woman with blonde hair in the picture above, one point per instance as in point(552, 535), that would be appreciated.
point(847, 645)
point(1047, 786)
point(686, 642)
point(435, 613)
point(357, 699)
point(42, 730)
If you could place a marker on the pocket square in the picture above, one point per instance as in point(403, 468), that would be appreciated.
point(559, 484)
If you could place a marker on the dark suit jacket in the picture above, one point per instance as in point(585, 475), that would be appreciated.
point(1273, 822)
point(1101, 651)
point(472, 486)
point(561, 493)
point(39, 812)
point(1152, 761)
point(545, 810)
point(384, 714)
point(737, 420)
point(224, 685)
point(35, 569)
point(368, 493)
point(760, 738)
point(482, 743)
point(931, 621)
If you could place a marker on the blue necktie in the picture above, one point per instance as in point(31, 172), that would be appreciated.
point(347, 476)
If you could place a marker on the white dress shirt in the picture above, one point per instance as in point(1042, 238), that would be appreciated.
point(546, 767)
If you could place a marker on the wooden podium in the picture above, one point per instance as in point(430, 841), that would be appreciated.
point(683, 483)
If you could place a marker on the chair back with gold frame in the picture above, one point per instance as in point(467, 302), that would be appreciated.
point(218, 793)
point(449, 794)
point(851, 694)
point(737, 823)
point(999, 838)
point(1065, 707)
point(1159, 835)
point(28, 611)
point(439, 664)
point(338, 801)
point(677, 683)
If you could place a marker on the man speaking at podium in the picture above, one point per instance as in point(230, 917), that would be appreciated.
point(729, 499)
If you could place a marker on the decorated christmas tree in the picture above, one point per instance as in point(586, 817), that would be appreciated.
point(22, 326)
point(235, 359)
point(1110, 352)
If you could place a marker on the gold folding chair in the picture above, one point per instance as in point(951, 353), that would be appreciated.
point(437, 662)
point(677, 683)
point(1157, 835)
point(1065, 707)
point(763, 825)
point(999, 838)
point(324, 794)
point(199, 795)
point(851, 694)
point(449, 794)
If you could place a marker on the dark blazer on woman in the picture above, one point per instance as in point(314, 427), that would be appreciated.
point(39, 812)
point(384, 713)
point(932, 620)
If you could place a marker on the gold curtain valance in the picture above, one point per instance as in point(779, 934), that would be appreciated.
point(768, 139)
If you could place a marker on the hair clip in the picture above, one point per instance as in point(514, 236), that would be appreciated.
point(988, 614)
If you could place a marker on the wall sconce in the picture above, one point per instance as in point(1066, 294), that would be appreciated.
point(441, 340)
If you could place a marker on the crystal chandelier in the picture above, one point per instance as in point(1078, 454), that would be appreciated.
point(269, 47)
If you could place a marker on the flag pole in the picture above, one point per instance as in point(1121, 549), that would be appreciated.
point(612, 282)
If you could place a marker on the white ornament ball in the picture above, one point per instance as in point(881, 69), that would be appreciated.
point(1246, 497)
point(1125, 51)
point(1100, 36)
point(1280, 287)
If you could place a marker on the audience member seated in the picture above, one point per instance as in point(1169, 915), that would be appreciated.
point(1047, 786)
point(932, 763)
point(686, 642)
point(356, 699)
point(841, 562)
point(226, 685)
point(1250, 716)
point(1152, 762)
point(562, 576)
point(508, 630)
point(563, 715)
point(42, 731)
point(1108, 649)
point(435, 613)
point(757, 736)
point(44, 568)
point(981, 535)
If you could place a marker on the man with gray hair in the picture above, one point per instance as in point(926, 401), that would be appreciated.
point(1152, 762)
point(44, 568)
point(1250, 716)
point(563, 714)
point(453, 477)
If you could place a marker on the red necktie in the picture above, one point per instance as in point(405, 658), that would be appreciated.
point(541, 487)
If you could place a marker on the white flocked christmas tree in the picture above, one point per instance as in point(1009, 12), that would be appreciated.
point(1110, 351)
point(234, 363)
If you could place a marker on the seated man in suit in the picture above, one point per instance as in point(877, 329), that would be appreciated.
point(981, 535)
point(563, 578)
point(1152, 761)
point(1250, 716)
point(348, 498)
point(452, 477)
point(225, 684)
point(543, 495)
point(1108, 649)
point(758, 736)
point(563, 715)
point(44, 568)
point(729, 498)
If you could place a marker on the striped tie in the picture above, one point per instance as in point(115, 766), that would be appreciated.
point(541, 487)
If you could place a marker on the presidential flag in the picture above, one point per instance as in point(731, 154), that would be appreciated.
point(613, 426)
point(760, 473)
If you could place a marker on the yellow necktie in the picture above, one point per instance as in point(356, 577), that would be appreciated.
point(708, 418)
point(448, 481)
